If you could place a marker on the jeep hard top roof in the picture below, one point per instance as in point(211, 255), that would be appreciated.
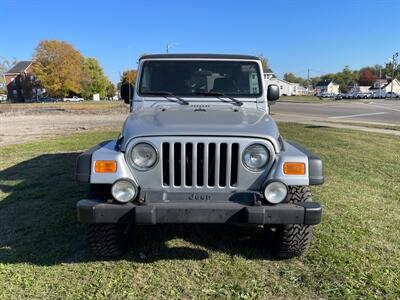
point(197, 55)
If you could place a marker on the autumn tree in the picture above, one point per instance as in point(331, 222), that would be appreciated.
point(58, 67)
point(366, 77)
point(94, 81)
point(129, 76)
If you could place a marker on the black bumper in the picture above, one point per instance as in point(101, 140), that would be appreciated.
point(92, 211)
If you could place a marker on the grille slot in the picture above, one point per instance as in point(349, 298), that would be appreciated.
point(200, 164)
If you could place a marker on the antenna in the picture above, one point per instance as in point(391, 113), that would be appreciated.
point(169, 46)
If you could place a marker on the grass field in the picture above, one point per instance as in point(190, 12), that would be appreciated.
point(355, 252)
point(80, 106)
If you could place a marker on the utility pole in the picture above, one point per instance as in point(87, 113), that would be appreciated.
point(308, 82)
point(394, 62)
point(380, 81)
point(168, 46)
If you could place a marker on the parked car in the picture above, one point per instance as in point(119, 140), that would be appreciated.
point(216, 159)
point(339, 97)
point(326, 95)
point(353, 95)
point(367, 95)
point(73, 99)
point(48, 99)
point(392, 95)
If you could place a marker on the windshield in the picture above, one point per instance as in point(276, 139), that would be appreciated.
point(197, 77)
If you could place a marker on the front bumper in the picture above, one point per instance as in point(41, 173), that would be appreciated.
point(93, 211)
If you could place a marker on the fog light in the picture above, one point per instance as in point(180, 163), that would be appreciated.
point(275, 192)
point(124, 191)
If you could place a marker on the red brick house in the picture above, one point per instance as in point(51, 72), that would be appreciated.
point(21, 82)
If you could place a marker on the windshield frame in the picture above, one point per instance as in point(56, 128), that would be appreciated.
point(243, 96)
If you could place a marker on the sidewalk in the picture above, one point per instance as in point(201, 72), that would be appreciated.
point(279, 117)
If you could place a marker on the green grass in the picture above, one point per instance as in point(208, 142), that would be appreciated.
point(72, 106)
point(355, 251)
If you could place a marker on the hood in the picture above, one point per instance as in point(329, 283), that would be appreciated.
point(200, 122)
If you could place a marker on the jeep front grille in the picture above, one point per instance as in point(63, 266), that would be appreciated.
point(189, 164)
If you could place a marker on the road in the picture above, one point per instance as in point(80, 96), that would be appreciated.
point(377, 111)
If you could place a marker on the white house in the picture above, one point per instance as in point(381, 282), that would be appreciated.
point(327, 86)
point(300, 90)
point(381, 87)
point(358, 89)
point(286, 88)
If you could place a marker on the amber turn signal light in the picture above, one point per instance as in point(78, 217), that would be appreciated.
point(294, 168)
point(105, 166)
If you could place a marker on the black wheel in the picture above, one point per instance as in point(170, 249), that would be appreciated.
point(107, 240)
point(294, 239)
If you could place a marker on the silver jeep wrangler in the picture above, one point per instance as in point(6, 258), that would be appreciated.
point(199, 146)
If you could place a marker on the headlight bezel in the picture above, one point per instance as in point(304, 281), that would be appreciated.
point(267, 162)
point(133, 164)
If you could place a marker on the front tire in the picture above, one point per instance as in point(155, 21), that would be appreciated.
point(294, 239)
point(107, 240)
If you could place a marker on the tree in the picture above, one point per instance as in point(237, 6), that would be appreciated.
point(294, 79)
point(58, 67)
point(264, 62)
point(129, 76)
point(94, 81)
point(366, 77)
point(110, 90)
point(346, 78)
point(387, 71)
point(5, 65)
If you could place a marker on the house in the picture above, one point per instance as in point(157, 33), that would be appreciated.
point(354, 89)
point(327, 86)
point(300, 90)
point(286, 88)
point(269, 74)
point(379, 83)
point(21, 83)
point(381, 87)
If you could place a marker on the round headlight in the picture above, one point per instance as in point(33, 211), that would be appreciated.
point(255, 157)
point(143, 156)
point(275, 192)
point(124, 191)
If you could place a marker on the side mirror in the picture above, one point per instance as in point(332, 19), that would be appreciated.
point(273, 92)
point(127, 92)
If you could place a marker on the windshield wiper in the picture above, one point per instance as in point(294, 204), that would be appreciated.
point(219, 95)
point(166, 95)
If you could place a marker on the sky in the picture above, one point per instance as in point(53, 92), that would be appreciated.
point(320, 35)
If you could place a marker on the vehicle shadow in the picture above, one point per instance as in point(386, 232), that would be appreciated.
point(38, 222)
